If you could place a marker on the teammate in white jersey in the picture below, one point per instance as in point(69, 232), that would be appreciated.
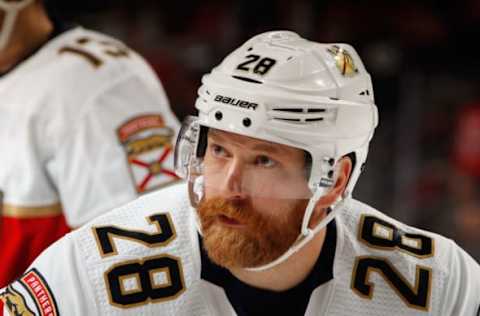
point(265, 223)
point(85, 126)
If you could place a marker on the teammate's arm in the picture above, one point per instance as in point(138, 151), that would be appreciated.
point(91, 167)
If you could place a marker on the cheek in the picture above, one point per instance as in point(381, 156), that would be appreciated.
point(211, 188)
point(267, 207)
point(214, 179)
point(280, 211)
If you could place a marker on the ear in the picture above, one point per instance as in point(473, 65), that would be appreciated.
point(343, 175)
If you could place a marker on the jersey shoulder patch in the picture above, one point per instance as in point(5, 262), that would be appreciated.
point(30, 295)
point(148, 145)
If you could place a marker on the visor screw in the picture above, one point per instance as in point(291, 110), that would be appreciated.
point(330, 174)
point(218, 115)
point(331, 161)
point(247, 122)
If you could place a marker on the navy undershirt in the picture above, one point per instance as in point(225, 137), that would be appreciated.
point(252, 301)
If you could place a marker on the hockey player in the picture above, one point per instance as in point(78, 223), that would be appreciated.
point(84, 127)
point(265, 223)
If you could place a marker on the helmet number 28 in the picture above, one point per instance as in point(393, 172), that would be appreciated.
point(257, 64)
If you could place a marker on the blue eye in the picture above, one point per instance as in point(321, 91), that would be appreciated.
point(218, 150)
point(265, 161)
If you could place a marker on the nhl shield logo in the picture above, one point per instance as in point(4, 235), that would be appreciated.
point(148, 144)
point(343, 60)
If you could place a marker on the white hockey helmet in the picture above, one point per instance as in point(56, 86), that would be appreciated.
point(285, 89)
point(10, 9)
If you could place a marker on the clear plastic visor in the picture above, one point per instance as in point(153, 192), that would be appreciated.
point(219, 163)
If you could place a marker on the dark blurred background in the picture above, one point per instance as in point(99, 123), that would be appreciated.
point(424, 162)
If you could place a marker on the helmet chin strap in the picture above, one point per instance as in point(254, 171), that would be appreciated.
point(7, 28)
point(306, 234)
point(11, 13)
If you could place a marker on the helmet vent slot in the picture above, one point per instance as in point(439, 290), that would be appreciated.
point(316, 110)
point(289, 120)
point(301, 115)
point(289, 110)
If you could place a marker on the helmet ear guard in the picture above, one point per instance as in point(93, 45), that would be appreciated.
point(11, 10)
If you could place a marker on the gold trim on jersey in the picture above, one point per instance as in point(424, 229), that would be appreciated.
point(31, 211)
point(138, 284)
point(378, 231)
point(149, 275)
point(168, 276)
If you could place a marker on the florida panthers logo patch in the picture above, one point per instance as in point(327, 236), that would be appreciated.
point(148, 145)
point(30, 296)
point(15, 302)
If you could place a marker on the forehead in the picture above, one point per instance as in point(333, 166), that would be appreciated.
point(252, 143)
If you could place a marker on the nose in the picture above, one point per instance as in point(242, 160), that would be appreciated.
point(233, 184)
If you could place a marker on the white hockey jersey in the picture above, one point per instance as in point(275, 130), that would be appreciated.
point(144, 259)
point(85, 126)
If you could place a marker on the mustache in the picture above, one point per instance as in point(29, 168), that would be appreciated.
point(239, 210)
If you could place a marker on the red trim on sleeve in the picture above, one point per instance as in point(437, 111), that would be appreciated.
point(22, 240)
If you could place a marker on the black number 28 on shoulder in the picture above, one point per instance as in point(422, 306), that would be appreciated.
point(377, 233)
point(135, 282)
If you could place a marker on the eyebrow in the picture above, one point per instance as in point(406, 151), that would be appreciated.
point(266, 147)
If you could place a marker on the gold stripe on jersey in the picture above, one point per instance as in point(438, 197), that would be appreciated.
point(26, 212)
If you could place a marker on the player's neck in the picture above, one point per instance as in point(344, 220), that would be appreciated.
point(32, 29)
point(287, 274)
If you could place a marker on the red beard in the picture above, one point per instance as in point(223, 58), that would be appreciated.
point(259, 241)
